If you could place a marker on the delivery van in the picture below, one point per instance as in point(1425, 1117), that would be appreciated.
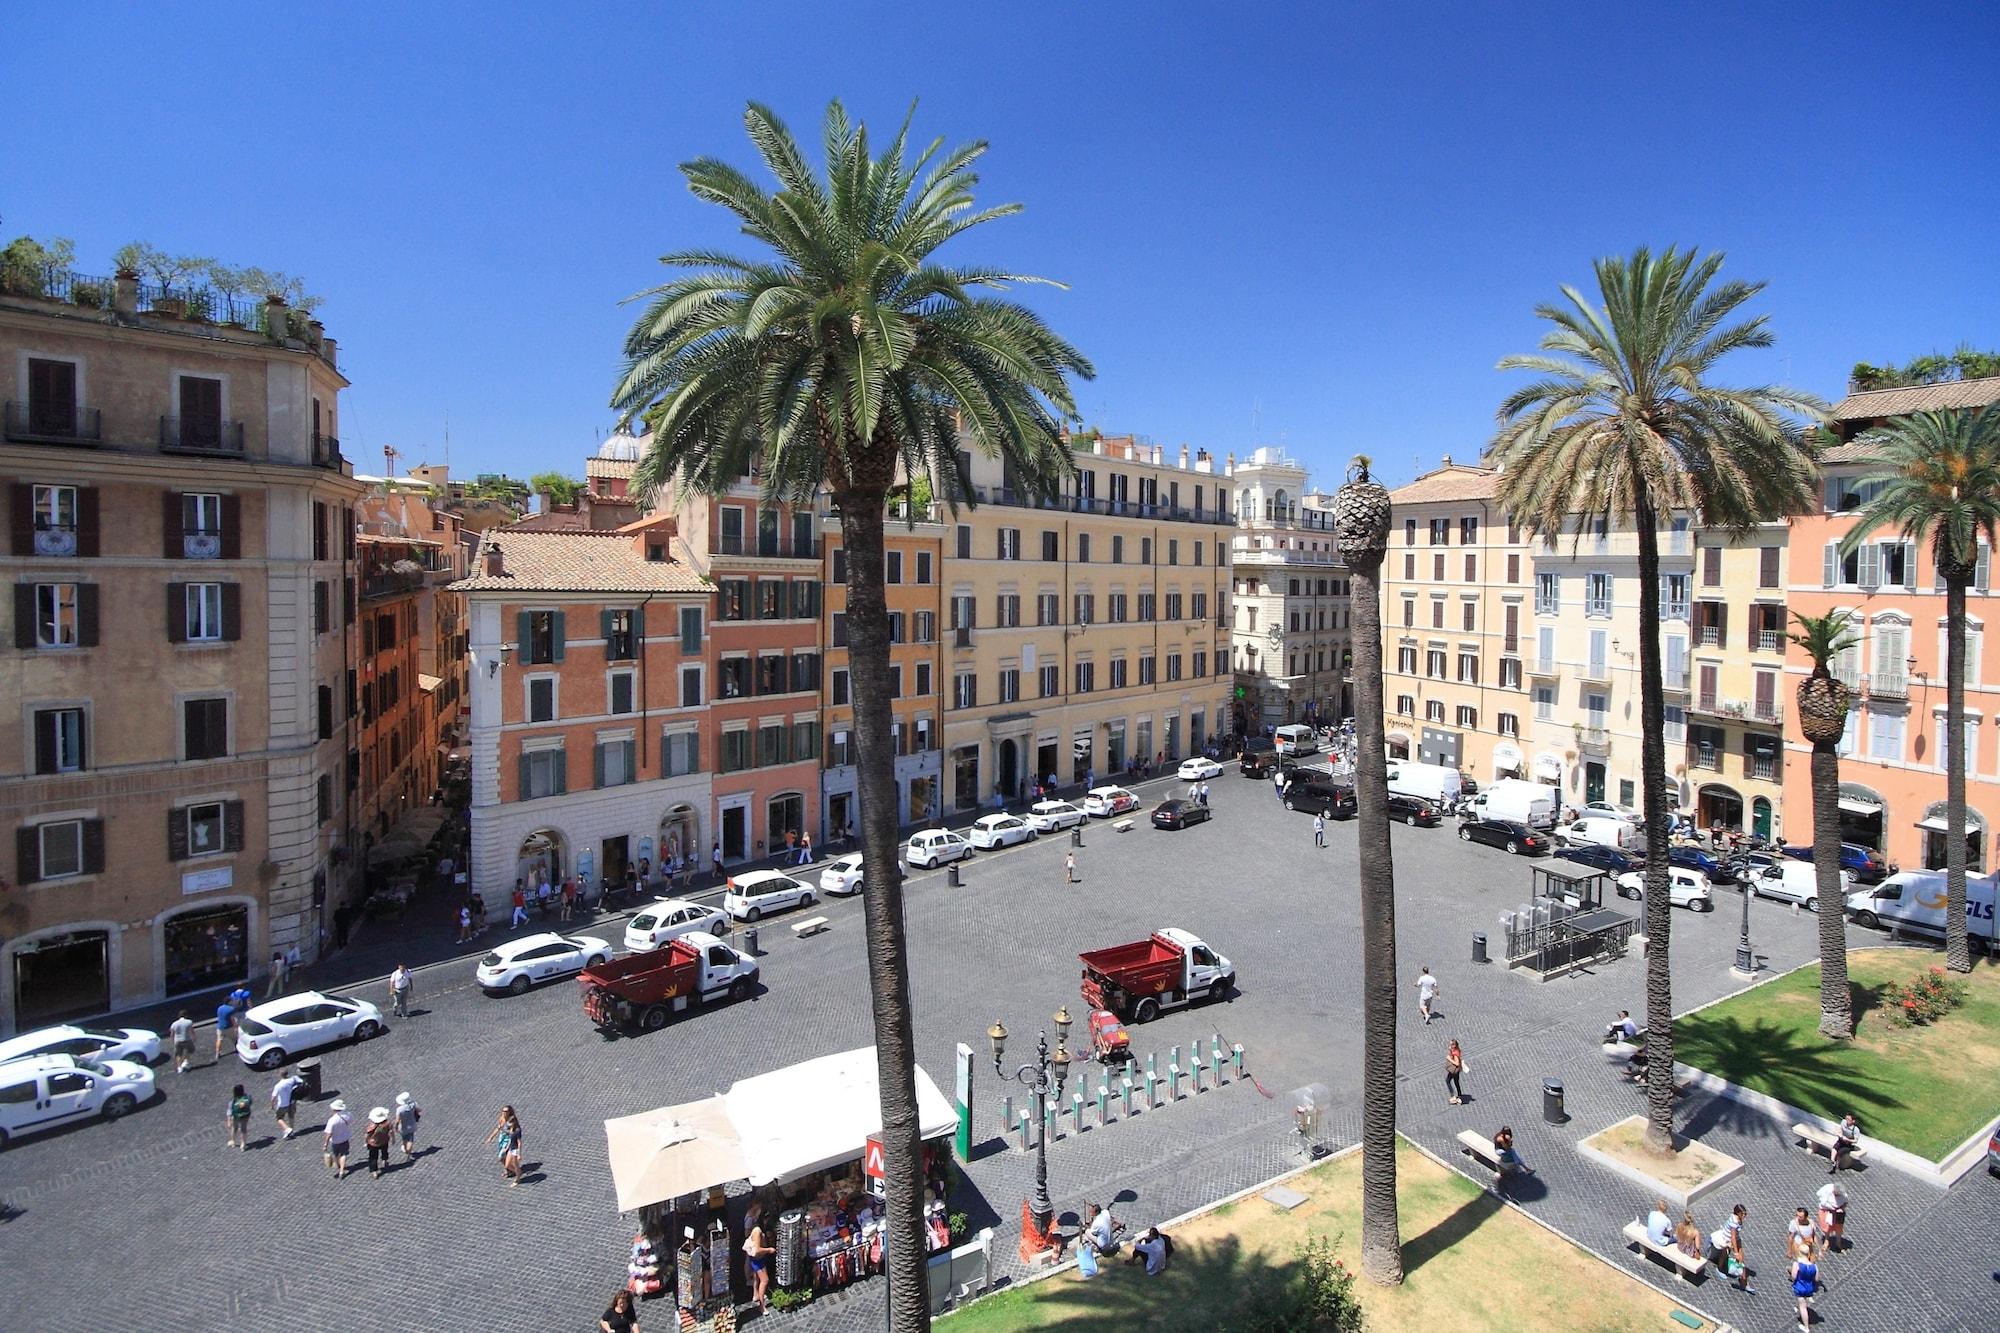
point(1437, 783)
point(1914, 900)
point(1530, 803)
point(1296, 740)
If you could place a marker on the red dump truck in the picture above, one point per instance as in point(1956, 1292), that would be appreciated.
point(644, 989)
point(1168, 969)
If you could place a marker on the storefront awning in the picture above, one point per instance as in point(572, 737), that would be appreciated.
point(817, 1114)
point(428, 684)
point(1937, 824)
point(1854, 805)
point(675, 1150)
point(1506, 755)
point(1548, 767)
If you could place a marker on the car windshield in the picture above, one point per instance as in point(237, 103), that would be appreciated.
point(645, 921)
point(491, 960)
point(253, 1027)
point(93, 1066)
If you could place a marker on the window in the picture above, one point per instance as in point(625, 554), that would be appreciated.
point(1406, 704)
point(895, 680)
point(206, 830)
point(1472, 569)
point(1513, 569)
point(1173, 606)
point(840, 629)
point(1440, 532)
point(1548, 594)
point(840, 685)
point(1406, 660)
point(1885, 735)
point(1409, 568)
point(1468, 718)
point(690, 686)
point(59, 740)
point(770, 599)
point(923, 627)
point(614, 761)
point(964, 690)
point(1118, 673)
point(1051, 546)
point(1409, 532)
point(1673, 597)
point(1051, 680)
point(52, 405)
point(1008, 610)
point(923, 680)
point(1434, 663)
point(1200, 666)
point(1008, 543)
point(1048, 609)
point(1468, 615)
point(805, 740)
point(770, 744)
point(1173, 666)
point(56, 615)
point(805, 672)
point(1597, 594)
point(1767, 566)
point(621, 692)
point(964, 542)
point(1146, 669)
point(1468, 668)
point(1437, 568)
point(1509, 724)
point(544, 773)
point(690, 629)
point(543, 635)
point(1437, 613)
point(770, 673)
point(1198, 605)
point(732, 600)
point(55, 509)
point(1510, 673)
point(205, 728)
point(61, 849)
point(1010, 685)
point(542, 699)
point(892, 567)
point(924, 567)
point(1409, 612)
point(680, 753)
point(1711, 566)
point(1173, 551)
point(1434, 710)
point(895, 627)
point(1083, 548)
point(1545, 702)
point(1468, 533)
point(621, 635)
point(1086, 677)
point(1086, 608)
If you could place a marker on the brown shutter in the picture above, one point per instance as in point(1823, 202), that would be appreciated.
point(177, 613)
point(170, 525)
point(93, 846)
point(232, 612)
point(232, 826)
point(177, 835)
point(232, 525)
point(45, 742)
point(21, 518)
point(27, 854)
point(87, 526)
point(24, 615)
point(86, 614)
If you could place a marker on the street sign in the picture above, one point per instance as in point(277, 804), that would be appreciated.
point(871, 1159)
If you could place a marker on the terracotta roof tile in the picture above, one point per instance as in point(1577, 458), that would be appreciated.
point(1453, 481)
point(1875, 403)
point(575, 562)
point(610, 467)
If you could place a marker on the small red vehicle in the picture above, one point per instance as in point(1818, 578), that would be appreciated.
point(1110, 1044)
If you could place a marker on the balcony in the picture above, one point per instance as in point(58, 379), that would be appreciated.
point(769, 546)
point(1769, 713)
point(55, 540)
point(1671, 610)
point(1708, 636)
point(1089, 504)
point(1764, 766)
point(1599, 672)
point(1675, 680)
point(1886, 685)
point(1770, 641)
point(1707, 757)
point(201, 546)
point(961, 637)
point(1595, 739)
point(191, 435)
point(326, 450)
point(37, 423)
point(1545, 667)
point(391, 582)
point(1597, 608)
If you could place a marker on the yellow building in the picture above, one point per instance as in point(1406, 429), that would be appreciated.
point(1736, 693)
point(1087, 630)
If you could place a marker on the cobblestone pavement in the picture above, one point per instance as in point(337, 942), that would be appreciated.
point(268, 1238)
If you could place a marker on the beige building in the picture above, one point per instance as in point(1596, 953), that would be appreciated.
point(1089, 629)
point(174, 764)
point(1289, 626)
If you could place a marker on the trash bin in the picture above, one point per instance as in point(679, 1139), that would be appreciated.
point(1552, 1101)
point(309, 1084)
point(750, 940)
point(1478, 946)
point(951, 874)
point(1076, 835)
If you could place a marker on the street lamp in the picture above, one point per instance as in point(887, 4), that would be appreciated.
point(1044, 1078)
point(1746, 957)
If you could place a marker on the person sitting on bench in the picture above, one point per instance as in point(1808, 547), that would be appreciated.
point(1622, 1028)
point(1503, 1153)
point(1845, 1141)
point(1660, 1227)
point(1635, 1068)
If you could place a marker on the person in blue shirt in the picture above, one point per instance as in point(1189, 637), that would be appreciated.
point(225, 1024)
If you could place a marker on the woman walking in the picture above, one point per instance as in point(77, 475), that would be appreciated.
point(1805, 1278)
point(239, 1119)
point(1454, 1066)
point(757, 1253)
point(408, 1114)
point(378, 1136)
point(1726, 1245)
point(506, 1138)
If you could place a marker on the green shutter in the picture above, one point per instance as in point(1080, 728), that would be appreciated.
point(604, 629)
point(562, 771)
point(556, 634)
point(597, 765)
point(524, 629)
point(522, 794)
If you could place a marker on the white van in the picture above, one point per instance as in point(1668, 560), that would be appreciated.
point(1530, 803)
point(1296, 740)
point(1914, 900)
point(1438, 783)
point(49, 1090)
point(1601, 831)
point(1794, 882)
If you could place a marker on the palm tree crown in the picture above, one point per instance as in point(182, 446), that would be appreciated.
point(1939, 477)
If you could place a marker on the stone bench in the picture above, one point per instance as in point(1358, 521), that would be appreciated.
point(1817, 1140)
point(1480, 1149)
point(812, 925)
point(1123, 825)
point(1687, 1267)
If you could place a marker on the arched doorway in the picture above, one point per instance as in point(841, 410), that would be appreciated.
point(1717, 805)
point(1399, 745)
point(680, 836)
point(1864, 816)
point(1760, 817)
point(544, 854)
point(61, 975)
point(784, 820)
point(1010, 768)
point(1937, 838)
point(205, 947)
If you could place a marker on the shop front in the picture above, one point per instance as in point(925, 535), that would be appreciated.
point(206, 947)
point(61, 975)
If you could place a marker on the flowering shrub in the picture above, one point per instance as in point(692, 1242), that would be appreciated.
point(1927, 999)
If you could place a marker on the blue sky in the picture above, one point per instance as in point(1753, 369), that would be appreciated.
point(1310, 225)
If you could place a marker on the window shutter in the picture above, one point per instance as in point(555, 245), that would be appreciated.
point(21, 518)
point(93, 846)
point(562, 771)
point(27, 855)
point(597, 765)
point(1909, 566)
point(24, 615)
point(639, 628)
point(177, 835)
point(232, 612)
point(86, 615)
point(170, 525)
point(326, 712)
point(1871, 565)
point(45, 742)
point(604, 630)
point(523, 635)
point(1829, 569)
point(1980, 574)
point(556, 617)
point(232, 826)
point(232, 526)
point(523, 775)
point(87, 525)
point(177, 613)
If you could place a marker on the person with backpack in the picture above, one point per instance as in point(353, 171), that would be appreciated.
point(239, 1119)
point(408, 1116)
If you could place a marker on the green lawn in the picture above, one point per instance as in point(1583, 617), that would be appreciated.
point(1471, 1263)
point(1923, 1089)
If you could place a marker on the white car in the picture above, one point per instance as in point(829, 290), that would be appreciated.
point(1200, 768)
point(990, 831)
point(268, 1033)
point(1054, 816)
point(1105, 802)
point(515, 965)
point(756, 892)
point(842, 875)
point(669, 919)
point(935, 846)
point(1686, 888)
point(1795, 882)
point(49, 1090)
point(134, 1044)
point(1613, 810)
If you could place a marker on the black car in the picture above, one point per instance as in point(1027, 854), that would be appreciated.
point(1259, 763)
point(1597, 857)
point(1414, 811)
point(1320, 797)
point(1517, 838)
point(1179, 812)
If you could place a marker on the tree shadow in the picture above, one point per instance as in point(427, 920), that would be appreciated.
point(1454, 1227)
point(965, 1197)
point(1215, 1285)
point(1782, 1061)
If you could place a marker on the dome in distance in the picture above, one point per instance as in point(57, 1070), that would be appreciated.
point(620, 448)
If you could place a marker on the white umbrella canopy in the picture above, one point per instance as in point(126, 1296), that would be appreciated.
point(673, 1150)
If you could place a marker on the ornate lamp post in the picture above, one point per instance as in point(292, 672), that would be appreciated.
point(1746, 957)
point(1044, 1078)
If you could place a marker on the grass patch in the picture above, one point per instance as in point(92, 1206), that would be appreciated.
point(1923, 1089)
point(1470, 1263)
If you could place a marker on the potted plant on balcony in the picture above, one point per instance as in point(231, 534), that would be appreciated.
point(88, 294)
point(199, 306)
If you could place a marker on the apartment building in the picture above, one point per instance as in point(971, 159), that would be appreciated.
point(1733, 681)
point(1289, 627)
point(1456, 620)
point(913, 565)
point(180, 545)
point(1892, 790)
point(593, 745)
point(1089, 628)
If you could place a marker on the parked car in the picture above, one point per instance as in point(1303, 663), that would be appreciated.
point(1259, 763)
point(1109, 802)
point(1702, 863)
point(1054, 816)
point(1795, 882)
point(670, 918)
point(1604, 830)
point(843, 876)
point(515, 965)
point(1612, 810)
point(1517, 838)
point(753, 894)
point(1685, 888)
point(1199, 768)
point(934, 847)
point(268, 1033)
point(1597, 857)
point(44, 1091)
point(1414, 811)
point(1178, 812)
point(1868, 865)
point(1316, 795)
point(991, 831)
point(134, 1044)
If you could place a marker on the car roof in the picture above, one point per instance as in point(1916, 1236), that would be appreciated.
point(1052, 805)
point(753, 878)
point(1173, 800)
point(37, 1064)
point(28, 1040)
point(1108, 791)
point(674, 905)
point(995, 819)
point(292, 1002)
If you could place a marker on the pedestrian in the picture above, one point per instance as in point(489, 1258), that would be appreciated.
point(293, 959)
point(401, 985)
point(274, 983)
point(715, 858)
point(239, 1119)
point(1069, 867)
point(408, 1116)
point(1278, 781)
point(225, 1025)
point(1454, 1069)
point(343, 922)
point(1832, 1216)
point(339, 1132)
point(805, 849)
point(1726, 1249)
point(182, 1031)
point(506, 1139)
point(378, 1136)
point(1319, 830)
point(1845, 1140)
point(545, 899)
point(1427, 989)
point(478, 902)
point(1805, 1278)
point(284, 1101)
point(464, 922)
point(1204, 793)
point(757, 1252)
point(619, 1316)
point(520, 907)
point(568, 898)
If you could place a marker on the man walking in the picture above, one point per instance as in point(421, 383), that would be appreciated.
point(274, 986)
point(225, 1025)
point(805, 849)
point(182, 1031)
point(520, 907)
point(1427, 989)
point(1069, 867)
point(401, 984)
point(1204, 794)
point(1319, 830)
point(339, 1133)
point(284, 1097)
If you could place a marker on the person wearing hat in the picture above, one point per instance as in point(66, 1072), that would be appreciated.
point(338, 1134)
point(408, 1113)
point(379, 1135)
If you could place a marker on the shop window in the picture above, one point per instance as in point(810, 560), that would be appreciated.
point(207, 948)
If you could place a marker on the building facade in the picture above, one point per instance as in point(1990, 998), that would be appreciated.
point(1289, 629)
point(174, 766)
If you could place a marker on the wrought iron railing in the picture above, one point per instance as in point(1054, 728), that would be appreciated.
point(202, 436)
point(36, 423)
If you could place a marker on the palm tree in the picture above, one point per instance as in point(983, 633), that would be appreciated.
point(1361, 525)
point(1623, 421)
point(1823, 703)
point(1940, 478)
point(845, 359)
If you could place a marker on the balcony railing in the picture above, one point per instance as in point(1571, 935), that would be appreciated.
point(34, 423)
point(1598, 671)
point(961, 637)
point(1544, 666)
point(1706, 756)
point(1594, 738)
point(1761, 766)
point(1086, 504)
point(1598, 607)
point(1709, 636)
point(201, 545)
point(1770, 641)
point(191, 435)
point(1673, 610)
point(782, 547)
point(389, 582)
point(55, 541)
point(1770, 712)
point(326, 450)
point(1887, 685)
point(1675, 680)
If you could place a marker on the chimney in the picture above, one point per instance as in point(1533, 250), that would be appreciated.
point(125, 292)
point(1446, 462)
point(496, 566)
point(1229, 466)
point(277, 318)
point(1183, 458)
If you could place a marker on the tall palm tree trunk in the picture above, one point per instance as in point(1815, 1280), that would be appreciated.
point(1957, 952)
point(1381, 1231)
point(1836, 1001)
point(906, 1251)
point(1659, 900)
